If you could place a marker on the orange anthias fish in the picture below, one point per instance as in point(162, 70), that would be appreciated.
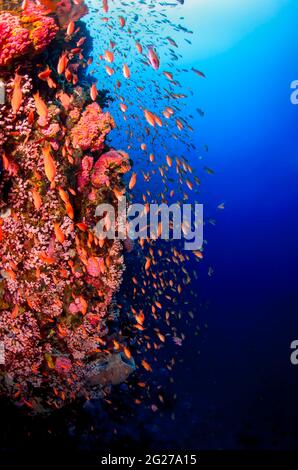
point(139, 47)
point(45, 76)
point(126, 71)
point(109, 56)
point(93, 92)
point(132, 181)
point(49, 164)
point(62, 63)
point(122, 21)
point(17, 96)
point(105, 6)
point(60, 237)
point(109, 70)
point(70, 28)
point(150, 118)
point(153, 58)
point(36, 199)
point(64, 99)
point(40, 105)
point(50, 5)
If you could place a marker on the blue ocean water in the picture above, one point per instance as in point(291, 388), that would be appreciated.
point(236, 386)
point(235, 383)
point(243, 374)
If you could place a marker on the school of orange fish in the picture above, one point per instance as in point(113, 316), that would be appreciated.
point(59, 284)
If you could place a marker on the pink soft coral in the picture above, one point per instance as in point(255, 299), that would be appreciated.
point(91, 130)
point(14, 39)
point(42, 28)
point(100, 173)
point(107, 162)
point(32, 31)
point(84, 172)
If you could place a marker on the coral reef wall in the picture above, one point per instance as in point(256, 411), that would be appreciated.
point(58, 279)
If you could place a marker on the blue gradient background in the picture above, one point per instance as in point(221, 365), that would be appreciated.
point(244, 381)
point(235, 384)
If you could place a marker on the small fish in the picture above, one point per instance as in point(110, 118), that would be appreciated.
point(169, 75)
point(122, 21)
point(81, 42)
point(82, 226)
point(62, 63)
point(169, 160)
point(127, 352)
point(70, 28)
point(209, 171)
point(64, 196)
point(109, 70)
point(126, 71)
point(60, 237)
point(69, 210)
point(150, 118)
point(198, 254)
point(139, 47)
point(105, 6)
point(31, 117)
point(64, 98)
point(15, 311)
point(50, 5)
point(44, 75)
point(177, 341)
point(123, 107)
point(46, 259)
point(153, 58)
point(40, 105)
point(146, 366)
point(132, 181)
point(17, 95)
point(198, 72)
point(109, 56)
point(36, 199)
point(49, 164)
point(93, 92)
point(147, 264)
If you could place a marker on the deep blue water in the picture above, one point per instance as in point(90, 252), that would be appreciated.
point(235, 383)
point(244, 373)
